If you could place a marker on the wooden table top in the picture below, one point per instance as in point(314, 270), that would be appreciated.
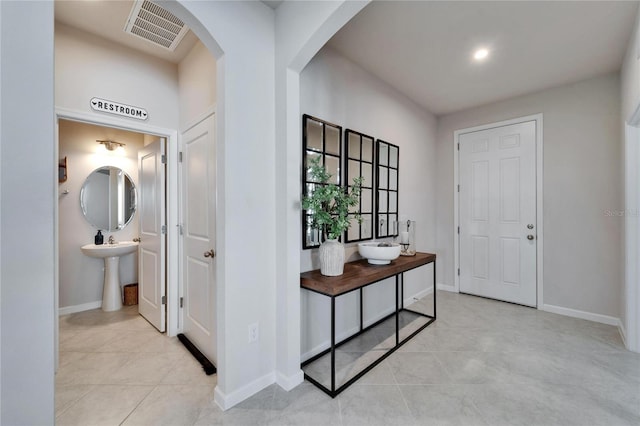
point(361, 273)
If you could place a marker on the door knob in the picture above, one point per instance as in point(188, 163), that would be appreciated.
point(210, 253)
point(530, 226)
point(530, 237)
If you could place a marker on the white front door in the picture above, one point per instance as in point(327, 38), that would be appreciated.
point(151, 252)
point(198, 216)
point(497, 176)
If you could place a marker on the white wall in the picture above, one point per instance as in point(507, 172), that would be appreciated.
point(630, 74)
point(196, 84)
point(82, 277)
point(582, 163)
point(337, 90)
point(28, 184)
point(108, 70)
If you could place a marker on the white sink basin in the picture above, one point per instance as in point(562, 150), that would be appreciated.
point(110, 250)
point(378, 254)
point(112, 291)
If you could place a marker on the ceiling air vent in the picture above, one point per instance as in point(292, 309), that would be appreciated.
point(151, 22)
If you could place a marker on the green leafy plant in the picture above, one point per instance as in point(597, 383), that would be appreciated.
point(328, 204)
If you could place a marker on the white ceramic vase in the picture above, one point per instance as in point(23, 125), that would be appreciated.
point(331, 258)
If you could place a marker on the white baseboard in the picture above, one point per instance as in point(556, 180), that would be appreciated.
point(79, 308)
point(226, 401)
point(623, 333)
point(446, 287)
point(289, 382)
point(417, 296)
point(604, 319)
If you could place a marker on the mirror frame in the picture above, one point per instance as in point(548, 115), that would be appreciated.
point(319, 149)
point(384, 189)
point(134, 207)
point(355, 155)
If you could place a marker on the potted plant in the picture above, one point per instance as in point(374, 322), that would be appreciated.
point(328, 206)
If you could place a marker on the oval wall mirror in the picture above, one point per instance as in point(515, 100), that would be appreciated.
point(108, 198)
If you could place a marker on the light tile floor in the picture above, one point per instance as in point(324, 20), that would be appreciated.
point(481, 363)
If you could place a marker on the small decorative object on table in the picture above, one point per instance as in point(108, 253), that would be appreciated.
point(328, 206)
point(407, 237)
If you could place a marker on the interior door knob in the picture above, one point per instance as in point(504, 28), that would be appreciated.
point(210, 254)
point(530, 226)
point(530, 237)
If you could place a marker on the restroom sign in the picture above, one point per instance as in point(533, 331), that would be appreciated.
point(103, 105)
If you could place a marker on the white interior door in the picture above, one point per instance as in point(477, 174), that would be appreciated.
point(497, 171)
point(151, 252)
point(198, 213)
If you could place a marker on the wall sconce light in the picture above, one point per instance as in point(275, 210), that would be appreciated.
point(111, 145)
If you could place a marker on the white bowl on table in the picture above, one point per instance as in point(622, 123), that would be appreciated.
point(378, 253)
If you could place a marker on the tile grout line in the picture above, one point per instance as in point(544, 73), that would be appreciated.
point(92, 387)
point(137, 405)
point(406, 404)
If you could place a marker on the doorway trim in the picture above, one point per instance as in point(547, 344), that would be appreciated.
point(172, 199)
point(539, 197)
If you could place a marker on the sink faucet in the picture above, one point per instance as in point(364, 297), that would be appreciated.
point(111, 240)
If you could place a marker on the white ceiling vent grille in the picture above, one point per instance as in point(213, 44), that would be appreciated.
point(151, 22)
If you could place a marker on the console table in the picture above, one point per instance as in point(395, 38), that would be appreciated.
point(356, 276)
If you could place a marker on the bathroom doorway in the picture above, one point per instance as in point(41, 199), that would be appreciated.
point(81, 277)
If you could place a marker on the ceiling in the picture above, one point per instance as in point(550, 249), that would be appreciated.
point(424, 49)
point(107, 19)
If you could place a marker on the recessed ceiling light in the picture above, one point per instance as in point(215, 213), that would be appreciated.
point(480, 54)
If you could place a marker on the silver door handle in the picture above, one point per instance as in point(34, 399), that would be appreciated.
point(210, 254)
point(530, 226)
point(530, 237)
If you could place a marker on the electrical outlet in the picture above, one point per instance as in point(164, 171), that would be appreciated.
point(254, 332)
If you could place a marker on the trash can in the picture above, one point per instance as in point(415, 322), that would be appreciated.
point(131, 294)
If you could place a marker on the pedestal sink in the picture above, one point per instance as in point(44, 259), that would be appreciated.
point(111, 293)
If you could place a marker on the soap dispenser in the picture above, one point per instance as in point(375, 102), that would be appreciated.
point(99, 238)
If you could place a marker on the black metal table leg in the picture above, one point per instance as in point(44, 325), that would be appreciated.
point(434, 289)
point(361, 312)
point(397, 314)
point(402, 291)
point(333, 344)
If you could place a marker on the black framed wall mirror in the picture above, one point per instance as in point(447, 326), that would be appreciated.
point(319, 139)
point(387, 164)
point(360, 163)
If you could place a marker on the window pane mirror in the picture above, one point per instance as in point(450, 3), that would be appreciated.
point(387, 160)
point(319, 139)
point(360, 163)
point(108, 198)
